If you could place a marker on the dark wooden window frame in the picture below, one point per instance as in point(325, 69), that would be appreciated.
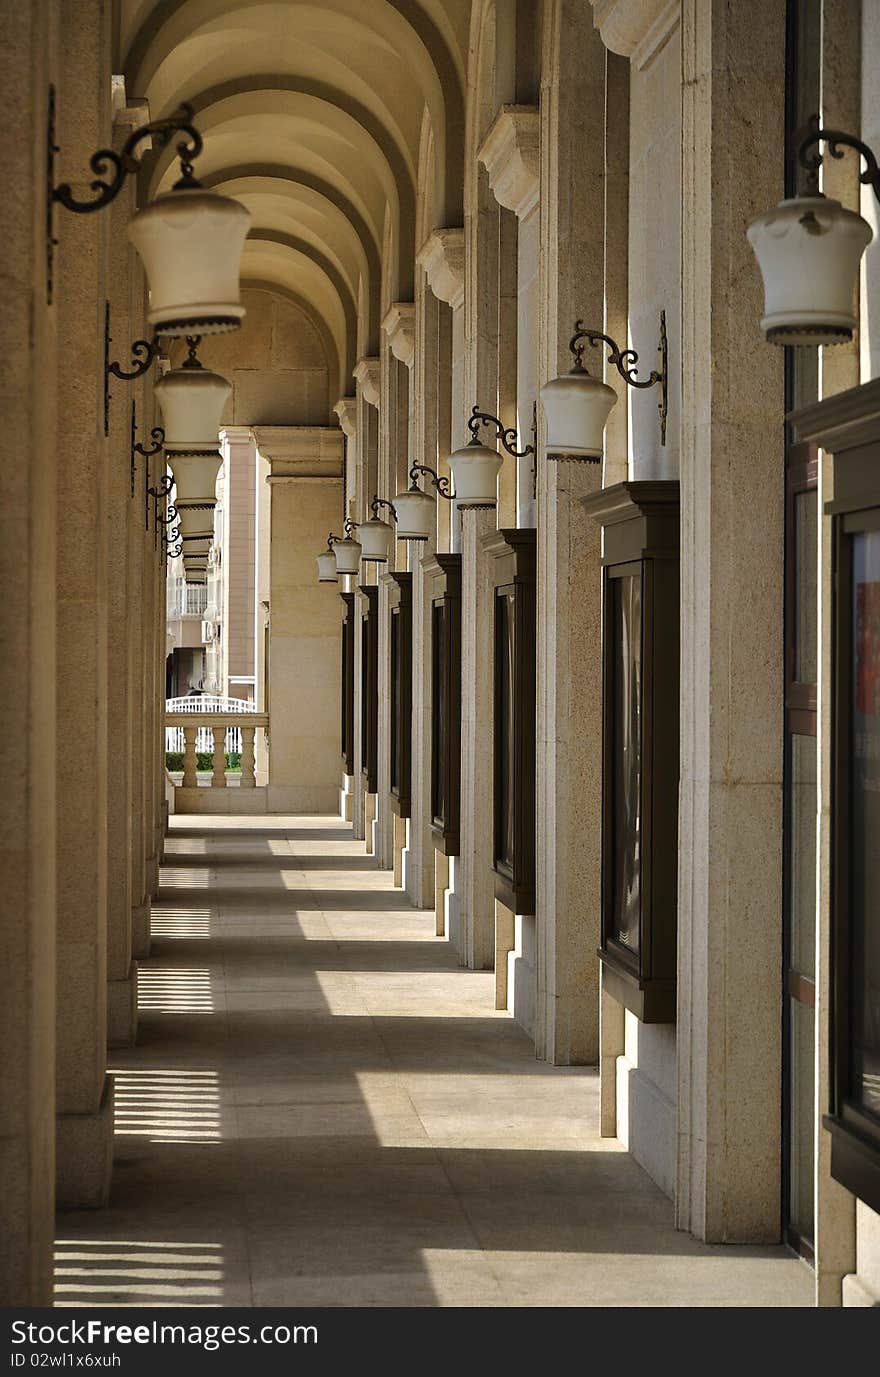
point(370, 688)
point(445, 593)
point(846, 425)
point(514, 553)
point(400, 653)
point(347, 725)
point(802, 476)
point(640, 523)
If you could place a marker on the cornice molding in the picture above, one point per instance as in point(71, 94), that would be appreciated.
point(367, 372)
point(510, 154)
point(346, 410)
point(636, 29)
point(300, 451)
point(442, 257)
point(399, 328)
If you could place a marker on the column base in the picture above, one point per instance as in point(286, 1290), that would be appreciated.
point(140, 932)
point(122, 1010)
point(84, 1156)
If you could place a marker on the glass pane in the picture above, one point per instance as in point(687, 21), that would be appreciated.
point(802, 1118)
point(865, 820)
point(806, 557)
point(804, 803)
point(504, 729)
point(625, 599)
point(438, 715)
point(395, 699)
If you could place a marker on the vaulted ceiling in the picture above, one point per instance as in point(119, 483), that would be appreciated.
point(312, 115)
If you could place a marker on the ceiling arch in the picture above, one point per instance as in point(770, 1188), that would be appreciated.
point(407, 54)
point(284, 264)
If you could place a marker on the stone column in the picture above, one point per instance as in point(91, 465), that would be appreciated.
point(730, 828)
point(346, 410)
point(477, 715)
point(136, 634)
point(123, 502)
point(28, 459)
point(304, 705)
point(240, 562)
point(84, 1092)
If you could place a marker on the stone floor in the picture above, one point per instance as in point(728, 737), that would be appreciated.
point(324, 1109)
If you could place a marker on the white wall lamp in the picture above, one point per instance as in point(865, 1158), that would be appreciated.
point(190, 240)
point(475, 467)
point(577, 405)
point(326, 561)
point(376, 536)
point(192, 399)
point(347, 552)
point(809, 249)
point(416, 509)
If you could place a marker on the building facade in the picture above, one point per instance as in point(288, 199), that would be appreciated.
point(595, 724)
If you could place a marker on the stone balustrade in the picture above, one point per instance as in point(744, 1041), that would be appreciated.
point(221, 727)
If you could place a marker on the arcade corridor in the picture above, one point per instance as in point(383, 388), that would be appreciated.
point(322, 1109)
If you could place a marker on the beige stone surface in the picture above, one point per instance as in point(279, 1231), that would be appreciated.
point(326, 1110)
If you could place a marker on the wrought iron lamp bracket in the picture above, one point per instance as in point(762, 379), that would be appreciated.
point(508, 437)
point(440, 483)
point(331, 541)
point(348, 527)
point(625, 360)
point(810, 158)
point(157, 434)
point(112, 168)
point(160, 492)
point(378, 502)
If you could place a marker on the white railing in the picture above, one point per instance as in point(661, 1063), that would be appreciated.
point(186, 599)
point(202, 704)
point(215, 733)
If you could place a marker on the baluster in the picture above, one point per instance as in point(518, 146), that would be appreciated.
point(248, 778)
point(190, 780)
point(218, 779)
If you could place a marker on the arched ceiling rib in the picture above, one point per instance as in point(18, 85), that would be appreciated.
point(407, 53)
point(311, 113)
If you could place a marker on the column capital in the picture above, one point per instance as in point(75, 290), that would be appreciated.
point(399, 327)
point(346, 410)
point(300, 451)
point(442, 257)
point(367, 372)
point(237, 435)
point(510, 154)
point(635, 28)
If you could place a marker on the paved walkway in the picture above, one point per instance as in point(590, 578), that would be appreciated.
point(324, 1109)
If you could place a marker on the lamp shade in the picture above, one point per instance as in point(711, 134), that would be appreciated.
point(415, 514)
point(195, 475)
point(808, 249)
point(375, 537)
point(327, 572)
point(347, 553)
point(192, 401)
point(190, 242)
point(577, 407)
point(475, 474)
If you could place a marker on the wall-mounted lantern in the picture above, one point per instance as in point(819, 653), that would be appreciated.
point(475, 467)
point(190, 240)
point(347, 551)
point(376, 536)
point(326, 561)
point(577, 405)
point(416, 509)
point(809, 249)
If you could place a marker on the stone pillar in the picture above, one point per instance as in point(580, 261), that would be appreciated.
point(304, 704)
point(28, 460)
point(346, 410)
point(477, 715)
point(730, 828)
point(569, 690)
point(84, 1093)
point(385, 817)
point(240, 562)
point(123, 503)
point(420, 866)
point(140, 564)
